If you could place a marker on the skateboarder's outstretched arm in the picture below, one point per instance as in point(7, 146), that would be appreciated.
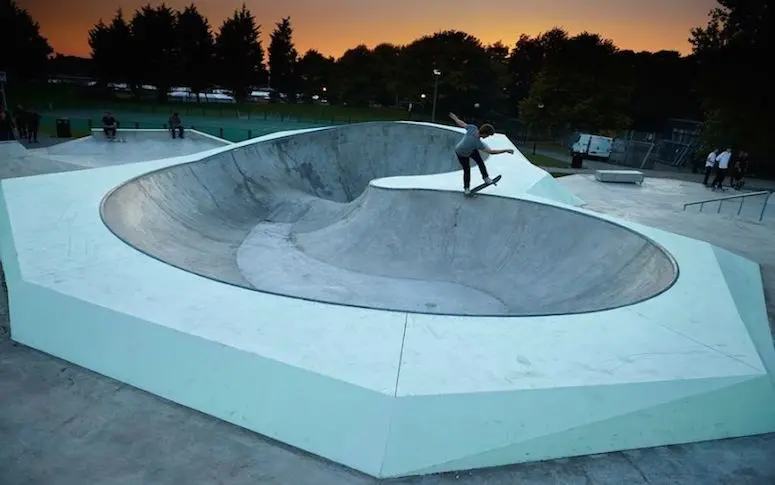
point(485, 131)
point(496, 152)
point(457, 120)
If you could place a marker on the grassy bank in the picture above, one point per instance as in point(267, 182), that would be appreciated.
point(545, 161)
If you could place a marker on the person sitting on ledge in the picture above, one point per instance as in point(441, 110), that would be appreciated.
point(176, 125)
point(109, 125)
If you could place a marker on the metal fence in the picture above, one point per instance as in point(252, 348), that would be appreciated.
point(675, 153)
point(646, 150)
point(234, 130)
point(632, 153)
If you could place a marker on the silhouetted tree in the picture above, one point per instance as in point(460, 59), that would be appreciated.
point(662, 88)
point(582, 85)
point(527, 59)
point(154, 40)
point(316, 76)
point(112, 52)
point(499, 58)
point(24, 50)
point(283, 59)
point(239, 54)
point(196, 50)
point(467, 74)
point(62, 65)
point(733, 76)
point(356, 72)
point(388, 70)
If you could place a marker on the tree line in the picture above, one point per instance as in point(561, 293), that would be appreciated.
point(550, 80)
point(553, 81)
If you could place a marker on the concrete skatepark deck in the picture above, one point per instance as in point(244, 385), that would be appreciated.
point(137, 146)
point(96, 151)
point(417, 393)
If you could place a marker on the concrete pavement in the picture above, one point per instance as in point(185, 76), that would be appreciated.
point(661, 171)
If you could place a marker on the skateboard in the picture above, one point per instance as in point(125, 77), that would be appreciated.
point(482, 186)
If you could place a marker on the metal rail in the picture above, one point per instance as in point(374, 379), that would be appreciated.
point(742, 198)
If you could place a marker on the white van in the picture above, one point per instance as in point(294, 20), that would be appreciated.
point(592, 146)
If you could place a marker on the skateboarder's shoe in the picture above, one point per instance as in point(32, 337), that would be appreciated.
point(487, 180)
point(467, 191)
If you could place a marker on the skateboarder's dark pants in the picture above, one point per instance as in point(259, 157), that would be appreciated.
point(708, 171)
point(179, 130)
point(720, 176)
point(111, 132)
point(32, 133)
point(466, 164)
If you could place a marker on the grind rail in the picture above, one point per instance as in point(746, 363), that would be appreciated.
point(742, 197)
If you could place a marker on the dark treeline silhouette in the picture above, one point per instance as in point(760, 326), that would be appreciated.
point(553, 82)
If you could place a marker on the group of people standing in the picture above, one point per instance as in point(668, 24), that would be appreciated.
point(22, 122)
point(721, 161)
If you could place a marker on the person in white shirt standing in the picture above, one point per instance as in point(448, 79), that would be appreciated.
point(723, 165)
point(710, 162)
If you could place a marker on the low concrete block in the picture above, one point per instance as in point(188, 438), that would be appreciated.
point(620, 176)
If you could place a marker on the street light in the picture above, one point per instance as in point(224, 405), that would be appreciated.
point(436, 74)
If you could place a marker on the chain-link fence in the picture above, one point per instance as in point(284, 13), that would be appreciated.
point(632, 153)
point(675, 153)
point(234, 129)
point(645, 150)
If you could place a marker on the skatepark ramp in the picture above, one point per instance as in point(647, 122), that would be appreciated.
point(296, 216)
point(17, 161)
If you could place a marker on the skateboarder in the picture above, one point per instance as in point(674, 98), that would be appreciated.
point(470, 145)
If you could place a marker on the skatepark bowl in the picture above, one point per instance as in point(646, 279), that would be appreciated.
point(297, 216)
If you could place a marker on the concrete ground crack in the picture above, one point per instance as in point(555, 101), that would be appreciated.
point(636, 467)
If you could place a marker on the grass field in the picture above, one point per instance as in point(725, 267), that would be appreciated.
point(544, 161)
point(552, 147)
point(58, 97)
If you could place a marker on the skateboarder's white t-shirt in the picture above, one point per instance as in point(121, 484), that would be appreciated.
point(711, 160)
point(470, 142)
point(723, 160)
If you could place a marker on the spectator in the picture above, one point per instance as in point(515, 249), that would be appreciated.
point(740, 169)
point(721, 171)
point(109, 125)
point(6, 126)
point(176, 125)
point(21, 121)
point(710, 162)
point(33, 123)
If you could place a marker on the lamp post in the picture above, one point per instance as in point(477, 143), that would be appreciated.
point(436, 74)
point(540, 108)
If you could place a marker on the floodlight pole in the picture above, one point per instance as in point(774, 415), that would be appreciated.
point(436, 74)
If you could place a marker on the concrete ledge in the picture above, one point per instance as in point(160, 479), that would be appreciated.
point(620, 176)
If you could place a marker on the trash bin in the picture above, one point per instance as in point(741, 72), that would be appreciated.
point(576, 160)
point(63, 128)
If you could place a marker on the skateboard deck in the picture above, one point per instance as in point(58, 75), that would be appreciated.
point(482, 186)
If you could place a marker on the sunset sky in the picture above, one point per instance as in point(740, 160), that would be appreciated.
point(333, 26)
